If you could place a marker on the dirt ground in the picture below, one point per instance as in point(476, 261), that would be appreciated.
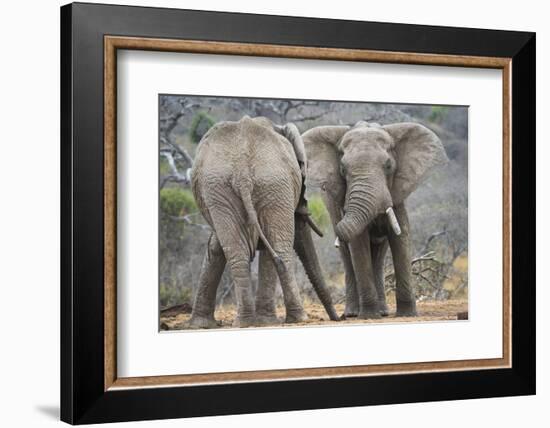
point(177, 318)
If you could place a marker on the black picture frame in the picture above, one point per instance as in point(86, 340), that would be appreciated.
point(83, 399)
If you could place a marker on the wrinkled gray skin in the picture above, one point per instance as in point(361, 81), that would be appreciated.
point(247, 180)
point(362, 171)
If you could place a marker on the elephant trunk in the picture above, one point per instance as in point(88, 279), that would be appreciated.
point(303, 244)
point(367, 196)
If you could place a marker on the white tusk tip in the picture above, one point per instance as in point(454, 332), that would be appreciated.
point(393, 221)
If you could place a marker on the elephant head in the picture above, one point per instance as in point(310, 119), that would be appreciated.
point(368, 169)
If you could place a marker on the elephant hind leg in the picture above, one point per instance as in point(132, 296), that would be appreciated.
point(293, 302)
point(265, 296)
point(237, 251)
point(211, 271)
point(240, 272)
point(252, 217)
point(280, 234)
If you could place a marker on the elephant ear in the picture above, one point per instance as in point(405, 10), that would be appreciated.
point(291, 133)
point(321, 144)
point(417, 151)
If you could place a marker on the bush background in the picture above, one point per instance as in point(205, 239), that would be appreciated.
point(438, 209)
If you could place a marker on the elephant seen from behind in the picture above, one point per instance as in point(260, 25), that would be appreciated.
point(248, 181)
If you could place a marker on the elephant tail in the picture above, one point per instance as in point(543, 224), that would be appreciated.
point(246, 197)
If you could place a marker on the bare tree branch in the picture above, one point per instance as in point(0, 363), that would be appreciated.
point(310, 117)
point(171, 178)
point(187, 220)
point(180, 153)
point(176, 175)
point(431, 238)
point(427, 280)
point(428, 256)
point(177, 153)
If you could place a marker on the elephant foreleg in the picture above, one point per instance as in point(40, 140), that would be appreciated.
point(401, 252)
point(352, 298)
point(378, 257)
point(265, 296)
point(209, 279)
point(362, 264)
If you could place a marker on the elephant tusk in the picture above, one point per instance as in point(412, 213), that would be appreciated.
point(337, 242)
point(393, 221)
point(313, 226)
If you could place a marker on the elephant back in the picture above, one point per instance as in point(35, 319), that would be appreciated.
point(249, 149)
point(272, 156)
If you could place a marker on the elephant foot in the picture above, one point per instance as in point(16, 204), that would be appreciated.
point(198, 321)
point(369, 314)
point(296, 316)
point(244, 322)
point(348, 315)
point(351, 310)
point(267, 319)
point(383, 308)
point(406, 313)
point(406, 310)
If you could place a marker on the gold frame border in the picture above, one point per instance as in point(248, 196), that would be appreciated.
point(112, 43)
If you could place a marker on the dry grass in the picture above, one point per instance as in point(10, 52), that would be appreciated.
point(427, 311)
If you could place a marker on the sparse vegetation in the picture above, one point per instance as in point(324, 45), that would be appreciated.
point(438, 113)
point(200, 125)
point(319, 212)
point(175, 201)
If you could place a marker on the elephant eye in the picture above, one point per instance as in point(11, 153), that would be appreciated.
point(342, 170)
point(388, 166)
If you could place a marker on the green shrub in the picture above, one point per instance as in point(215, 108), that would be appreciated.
point(319, 212)
point(438, 113)
point(200, 125)
point(175, 201)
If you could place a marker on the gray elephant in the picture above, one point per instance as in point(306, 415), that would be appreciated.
point(365, 173)
point(248, 181)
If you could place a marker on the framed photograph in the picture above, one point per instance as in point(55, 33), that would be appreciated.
point(266, 213)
